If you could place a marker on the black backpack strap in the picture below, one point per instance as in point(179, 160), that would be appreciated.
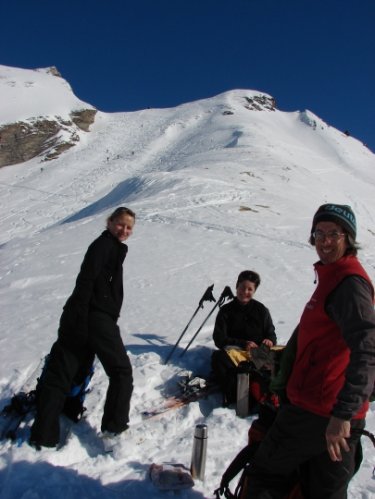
point(238, 464)
point(368, 434)
point(241, 483)
point(224, 492)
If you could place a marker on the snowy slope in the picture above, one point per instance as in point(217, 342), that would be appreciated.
point(27, 93)
point(217, 188)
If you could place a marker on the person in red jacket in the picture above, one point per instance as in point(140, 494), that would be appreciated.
point(317, 431)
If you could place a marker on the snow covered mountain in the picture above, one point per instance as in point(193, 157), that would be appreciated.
point(219, 185)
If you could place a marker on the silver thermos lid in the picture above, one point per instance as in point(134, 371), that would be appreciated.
point(201, 431)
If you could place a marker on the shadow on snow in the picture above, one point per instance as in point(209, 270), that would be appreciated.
point(42, 480)
point(196, 359)
point(123, 192)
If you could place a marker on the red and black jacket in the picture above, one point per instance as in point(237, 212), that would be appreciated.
point(335, 361)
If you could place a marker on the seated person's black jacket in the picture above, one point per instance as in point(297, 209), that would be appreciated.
point(236, 324)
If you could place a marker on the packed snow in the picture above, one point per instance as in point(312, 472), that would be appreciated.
point(217, 188)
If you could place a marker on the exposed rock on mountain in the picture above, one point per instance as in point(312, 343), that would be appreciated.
point(261, 103)
point(56, 129)
point(42, 137)
point(84, 118)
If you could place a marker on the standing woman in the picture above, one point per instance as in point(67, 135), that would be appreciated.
point(88, 327)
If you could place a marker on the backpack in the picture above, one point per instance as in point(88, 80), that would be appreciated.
point(73, 406)
point(242, 462)
point(229, 362)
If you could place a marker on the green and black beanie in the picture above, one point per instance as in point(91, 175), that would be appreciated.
point(340, 214)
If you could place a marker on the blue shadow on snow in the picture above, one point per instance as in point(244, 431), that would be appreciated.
point(121, 194)
point(44, 480)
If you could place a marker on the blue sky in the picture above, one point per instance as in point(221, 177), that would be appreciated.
point(122, 55)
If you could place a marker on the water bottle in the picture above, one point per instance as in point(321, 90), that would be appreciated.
point(198, 457)
point(242, 404)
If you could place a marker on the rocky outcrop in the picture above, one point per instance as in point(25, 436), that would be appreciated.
point(83, 119)
point(260, 103)
point(54, 71)
point(46, 138)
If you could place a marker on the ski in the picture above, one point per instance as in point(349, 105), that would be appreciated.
point(192, 389)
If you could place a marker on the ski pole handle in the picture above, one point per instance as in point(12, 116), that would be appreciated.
point(207, 296)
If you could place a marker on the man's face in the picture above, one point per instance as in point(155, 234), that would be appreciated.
point(330, 242)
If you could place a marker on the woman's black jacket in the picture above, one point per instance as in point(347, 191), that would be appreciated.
point(237, 324)
point(98, 287)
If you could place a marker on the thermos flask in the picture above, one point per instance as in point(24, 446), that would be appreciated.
point(198, 457)
point(242, 404)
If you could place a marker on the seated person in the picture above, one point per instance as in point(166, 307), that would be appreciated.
point(244, 323)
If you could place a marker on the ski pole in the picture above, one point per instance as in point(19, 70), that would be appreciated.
point(207, 296)
point(227, 293)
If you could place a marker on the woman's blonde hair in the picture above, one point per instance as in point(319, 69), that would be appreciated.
point(122, 210)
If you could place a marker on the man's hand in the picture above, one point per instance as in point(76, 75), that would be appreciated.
point(338, 430)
